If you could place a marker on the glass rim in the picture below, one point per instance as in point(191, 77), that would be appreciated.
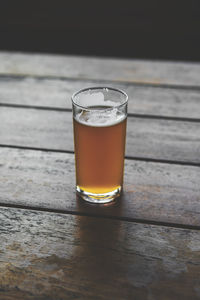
point(99, 88)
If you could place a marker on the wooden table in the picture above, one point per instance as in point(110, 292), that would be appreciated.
point(55, 246)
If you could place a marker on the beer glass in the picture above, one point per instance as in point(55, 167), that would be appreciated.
point(99, 120)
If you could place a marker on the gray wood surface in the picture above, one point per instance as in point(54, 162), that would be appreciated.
point(148, 138)
point(153, 72)
point(152, 191)
point(144, 100)
point(54, 256)
point(66, 248)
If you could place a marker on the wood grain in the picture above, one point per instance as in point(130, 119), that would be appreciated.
point(153, 192)
point(54, 256)
point(144, 100)
point(88, 251)
point(153, 72)
point(146, 138)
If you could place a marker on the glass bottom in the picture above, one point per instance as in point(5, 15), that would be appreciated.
point(99, 198)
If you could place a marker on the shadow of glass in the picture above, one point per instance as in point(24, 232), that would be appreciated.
point(97, 240)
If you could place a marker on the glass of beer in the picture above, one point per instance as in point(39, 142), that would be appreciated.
point(99, 119)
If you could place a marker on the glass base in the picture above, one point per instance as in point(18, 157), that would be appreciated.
point(99, 198)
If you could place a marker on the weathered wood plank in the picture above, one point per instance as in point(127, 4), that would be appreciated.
point(152, 191)
point(156, 72)
point(142, 100)
point(149, 138)
point(54, 256)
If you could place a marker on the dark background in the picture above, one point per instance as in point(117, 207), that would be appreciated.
point(137, 29)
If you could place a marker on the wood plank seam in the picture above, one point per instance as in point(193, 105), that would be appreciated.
point(93, 215)
point(142, 116)
point(164, 161)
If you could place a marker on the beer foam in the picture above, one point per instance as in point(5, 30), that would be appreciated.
point(100, 119)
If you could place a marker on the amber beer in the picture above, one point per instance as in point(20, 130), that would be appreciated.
point(99, 156)
point(99, 141)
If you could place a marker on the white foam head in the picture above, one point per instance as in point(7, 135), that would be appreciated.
point(100, 118)
point(99, 107)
